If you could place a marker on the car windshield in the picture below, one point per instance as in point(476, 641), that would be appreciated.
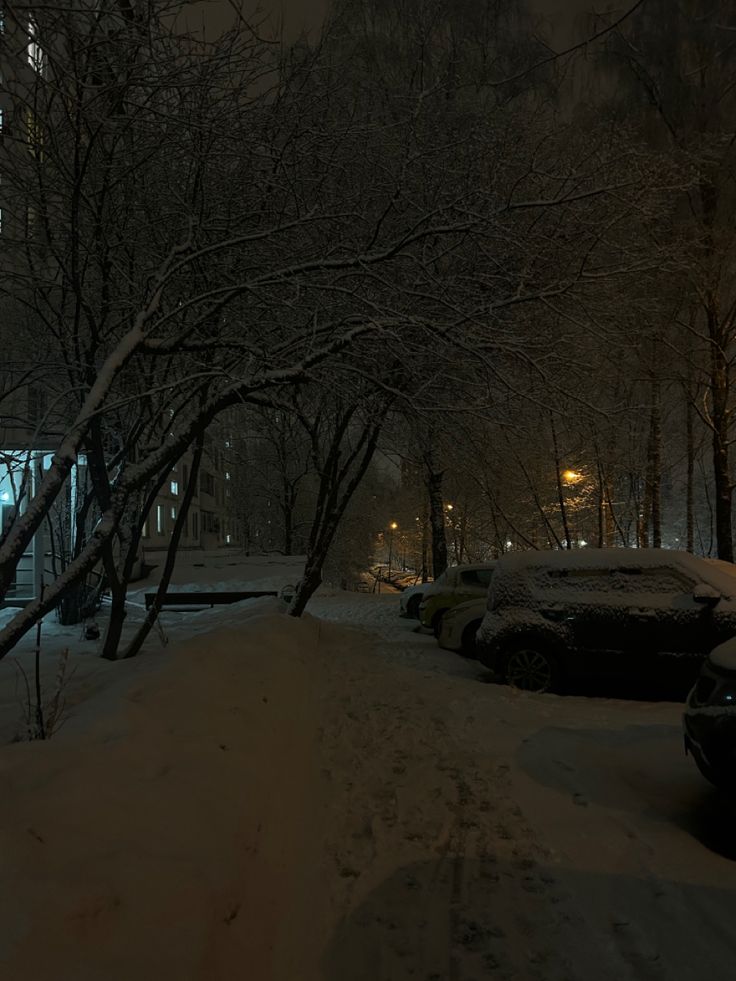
point(722, 575)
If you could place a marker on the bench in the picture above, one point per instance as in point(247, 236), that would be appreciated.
point(208, 598)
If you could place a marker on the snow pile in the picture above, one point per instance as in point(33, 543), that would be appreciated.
point(167, 838)
point(217, 569)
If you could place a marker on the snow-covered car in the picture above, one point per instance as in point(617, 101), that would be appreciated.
point(709, 719)
point(456, 585)
point(410, 599)
point(645, 615)
point(460, 625)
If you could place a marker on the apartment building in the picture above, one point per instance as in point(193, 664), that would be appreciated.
point(210, 522)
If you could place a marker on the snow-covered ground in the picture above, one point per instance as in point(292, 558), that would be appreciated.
point(336, 798)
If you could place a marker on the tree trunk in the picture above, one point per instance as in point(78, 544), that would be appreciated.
point(560, 489)
point(181, 517)
point(720, 383)
point(690, 478)
point(433, 482)
point(119, 593)
point(288, 502)
point(337, 486)
point(118, 613)
point(654, 468)
point(309, 583)
point(425, 542)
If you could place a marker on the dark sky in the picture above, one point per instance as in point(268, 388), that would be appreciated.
point(562, 24)
point(297, 15)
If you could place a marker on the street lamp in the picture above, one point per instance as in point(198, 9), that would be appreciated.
point(391, 529)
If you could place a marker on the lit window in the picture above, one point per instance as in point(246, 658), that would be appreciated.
point(173, 514)
point(227, 475)
point(227, 539)
point(175, 487)
point(159, 519)
point(36, 57)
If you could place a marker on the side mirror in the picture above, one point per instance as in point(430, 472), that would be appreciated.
point(705, 594)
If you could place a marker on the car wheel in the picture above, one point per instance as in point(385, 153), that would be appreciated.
point(720, 780)
point(468, 646)
point(719, 769)
point(530, 667)
point(437, 622)
point(412, 607)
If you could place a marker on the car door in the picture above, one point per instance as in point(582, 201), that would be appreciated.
point(580, 600)
point(665, 632)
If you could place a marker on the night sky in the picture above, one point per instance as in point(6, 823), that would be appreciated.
point(560, 16)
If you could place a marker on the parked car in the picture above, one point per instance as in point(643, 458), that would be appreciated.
point(459, 626)
point(410, 600)
point(625, 614)
point(709, 720)
point(454, 586)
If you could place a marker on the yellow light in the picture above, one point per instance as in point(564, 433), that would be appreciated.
point(394, 526)
point(571, 476)
point(449, 507)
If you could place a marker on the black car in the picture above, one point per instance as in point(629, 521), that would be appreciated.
point(709, 720)
point(643, 615)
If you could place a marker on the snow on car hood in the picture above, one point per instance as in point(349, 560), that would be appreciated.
point(724, 656)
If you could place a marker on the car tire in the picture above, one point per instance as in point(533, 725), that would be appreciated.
point(529, 665)
point(720, 780)
point(412, 607)
point(437, 622)
point(468, 645)
point(720, 771)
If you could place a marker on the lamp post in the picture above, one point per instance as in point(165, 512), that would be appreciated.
point(391, 529)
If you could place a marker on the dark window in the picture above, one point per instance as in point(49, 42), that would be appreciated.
point(37, 404)
point(664, 580)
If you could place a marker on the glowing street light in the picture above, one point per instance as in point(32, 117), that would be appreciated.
point(392, 528)
point(571, 476)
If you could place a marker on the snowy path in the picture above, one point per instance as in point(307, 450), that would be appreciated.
point(487, 834)
point(336, 799)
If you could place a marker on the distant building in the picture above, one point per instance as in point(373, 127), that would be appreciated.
point(209, 523)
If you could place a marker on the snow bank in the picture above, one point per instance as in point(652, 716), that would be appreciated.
point(166, 835)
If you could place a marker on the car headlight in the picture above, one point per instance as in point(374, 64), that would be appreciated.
point(708, 692)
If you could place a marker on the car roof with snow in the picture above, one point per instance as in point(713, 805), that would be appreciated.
point(472, 568)
point(715, 571)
